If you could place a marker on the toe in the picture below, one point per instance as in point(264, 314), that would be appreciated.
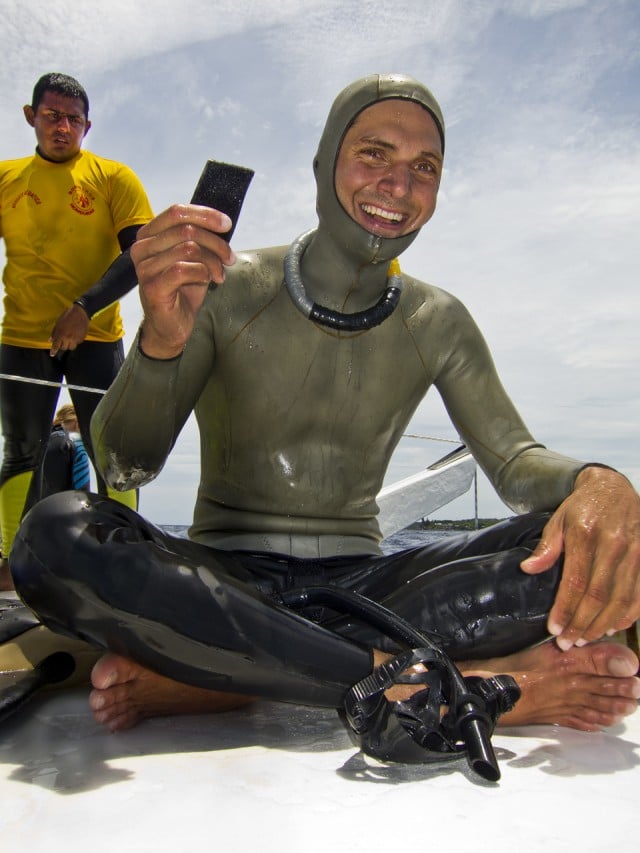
point(111, 669)
point(623, 666)
point(601, 659)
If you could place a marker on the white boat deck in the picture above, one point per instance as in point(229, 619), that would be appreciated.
point(286, 778)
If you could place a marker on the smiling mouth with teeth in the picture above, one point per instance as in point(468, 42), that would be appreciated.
point(388, 215)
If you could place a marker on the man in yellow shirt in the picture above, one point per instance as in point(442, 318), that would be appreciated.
point(68, 218)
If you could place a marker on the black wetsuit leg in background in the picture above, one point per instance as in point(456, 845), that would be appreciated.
point(93, 364)
point(91, 568)
point(27, 409)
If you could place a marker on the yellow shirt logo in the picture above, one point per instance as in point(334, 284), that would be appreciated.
point(26, 194)
point(82, 201)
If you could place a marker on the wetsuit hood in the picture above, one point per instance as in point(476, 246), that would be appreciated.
point(363, 93)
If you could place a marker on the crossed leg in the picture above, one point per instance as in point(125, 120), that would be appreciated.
point(114, 580)
point(586, 688)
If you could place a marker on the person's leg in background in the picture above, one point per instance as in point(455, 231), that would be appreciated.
point(95, 365)
point(26, 412)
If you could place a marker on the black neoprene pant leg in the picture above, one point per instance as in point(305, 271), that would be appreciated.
point(27, 409)
point(92, 568)
point(94, 365)
point(467, 591)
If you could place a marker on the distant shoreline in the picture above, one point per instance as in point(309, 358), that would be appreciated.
point(453, 524)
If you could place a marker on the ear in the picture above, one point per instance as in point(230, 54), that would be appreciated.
point(87, 128)
point(28, 114)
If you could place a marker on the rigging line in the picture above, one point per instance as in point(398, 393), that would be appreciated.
point(71, 387)
point(431, 438)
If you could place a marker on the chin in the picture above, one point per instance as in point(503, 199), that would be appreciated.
point(386, 233)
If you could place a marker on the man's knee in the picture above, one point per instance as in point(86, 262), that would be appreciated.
point(45, 536)
point(513, 532)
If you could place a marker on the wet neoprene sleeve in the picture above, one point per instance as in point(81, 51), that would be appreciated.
point(147, 403)
point(117, 281)
point(527, 476)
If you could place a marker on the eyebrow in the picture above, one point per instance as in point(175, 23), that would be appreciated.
point(61, 112)
point(389, 146)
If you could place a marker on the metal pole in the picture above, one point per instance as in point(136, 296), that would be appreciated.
point(475, 496)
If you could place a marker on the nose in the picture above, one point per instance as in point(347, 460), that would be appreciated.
point(396, 180)
point(64, 122)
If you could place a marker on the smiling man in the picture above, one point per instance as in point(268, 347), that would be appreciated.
point(65, 216)
point(304, 365)
point(389, 168)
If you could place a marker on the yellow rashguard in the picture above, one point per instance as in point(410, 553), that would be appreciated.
point(60, 222)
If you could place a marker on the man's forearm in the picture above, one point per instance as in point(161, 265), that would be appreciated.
point(117, 281)
point(537, 479)
point(135, 424)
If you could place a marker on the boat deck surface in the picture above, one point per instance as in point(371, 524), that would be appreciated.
point(287, 778)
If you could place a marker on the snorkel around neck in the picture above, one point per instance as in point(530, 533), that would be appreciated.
point(359, 321)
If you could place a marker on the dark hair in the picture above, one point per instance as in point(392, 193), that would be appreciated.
point(62, 84)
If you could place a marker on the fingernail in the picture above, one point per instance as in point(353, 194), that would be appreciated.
point(580, 643)
point(564, 644)
point(611, 632)
point(225, 222)
point(554, 629)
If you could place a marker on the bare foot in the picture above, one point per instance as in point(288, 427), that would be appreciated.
point(398, 692)
point(586, 688)
point(125, 693)
point(6, 581)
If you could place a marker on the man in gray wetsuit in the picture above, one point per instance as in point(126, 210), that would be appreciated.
point(304, 365)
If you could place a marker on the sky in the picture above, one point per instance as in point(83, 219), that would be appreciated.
point(539, 208)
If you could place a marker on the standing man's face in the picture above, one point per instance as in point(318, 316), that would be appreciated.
point(60, 126)
point(389, 168)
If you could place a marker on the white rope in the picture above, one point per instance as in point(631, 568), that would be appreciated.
point(52, 384)
point(102, 391)
point(431, 438)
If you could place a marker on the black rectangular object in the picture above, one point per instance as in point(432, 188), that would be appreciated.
point(223, 186)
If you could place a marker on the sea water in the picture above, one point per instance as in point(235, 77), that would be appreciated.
point(414, 538)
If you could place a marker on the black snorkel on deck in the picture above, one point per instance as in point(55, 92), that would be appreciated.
point(450, 717)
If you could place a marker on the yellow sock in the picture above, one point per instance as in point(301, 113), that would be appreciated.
point(13, 496)
point(129, 498)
